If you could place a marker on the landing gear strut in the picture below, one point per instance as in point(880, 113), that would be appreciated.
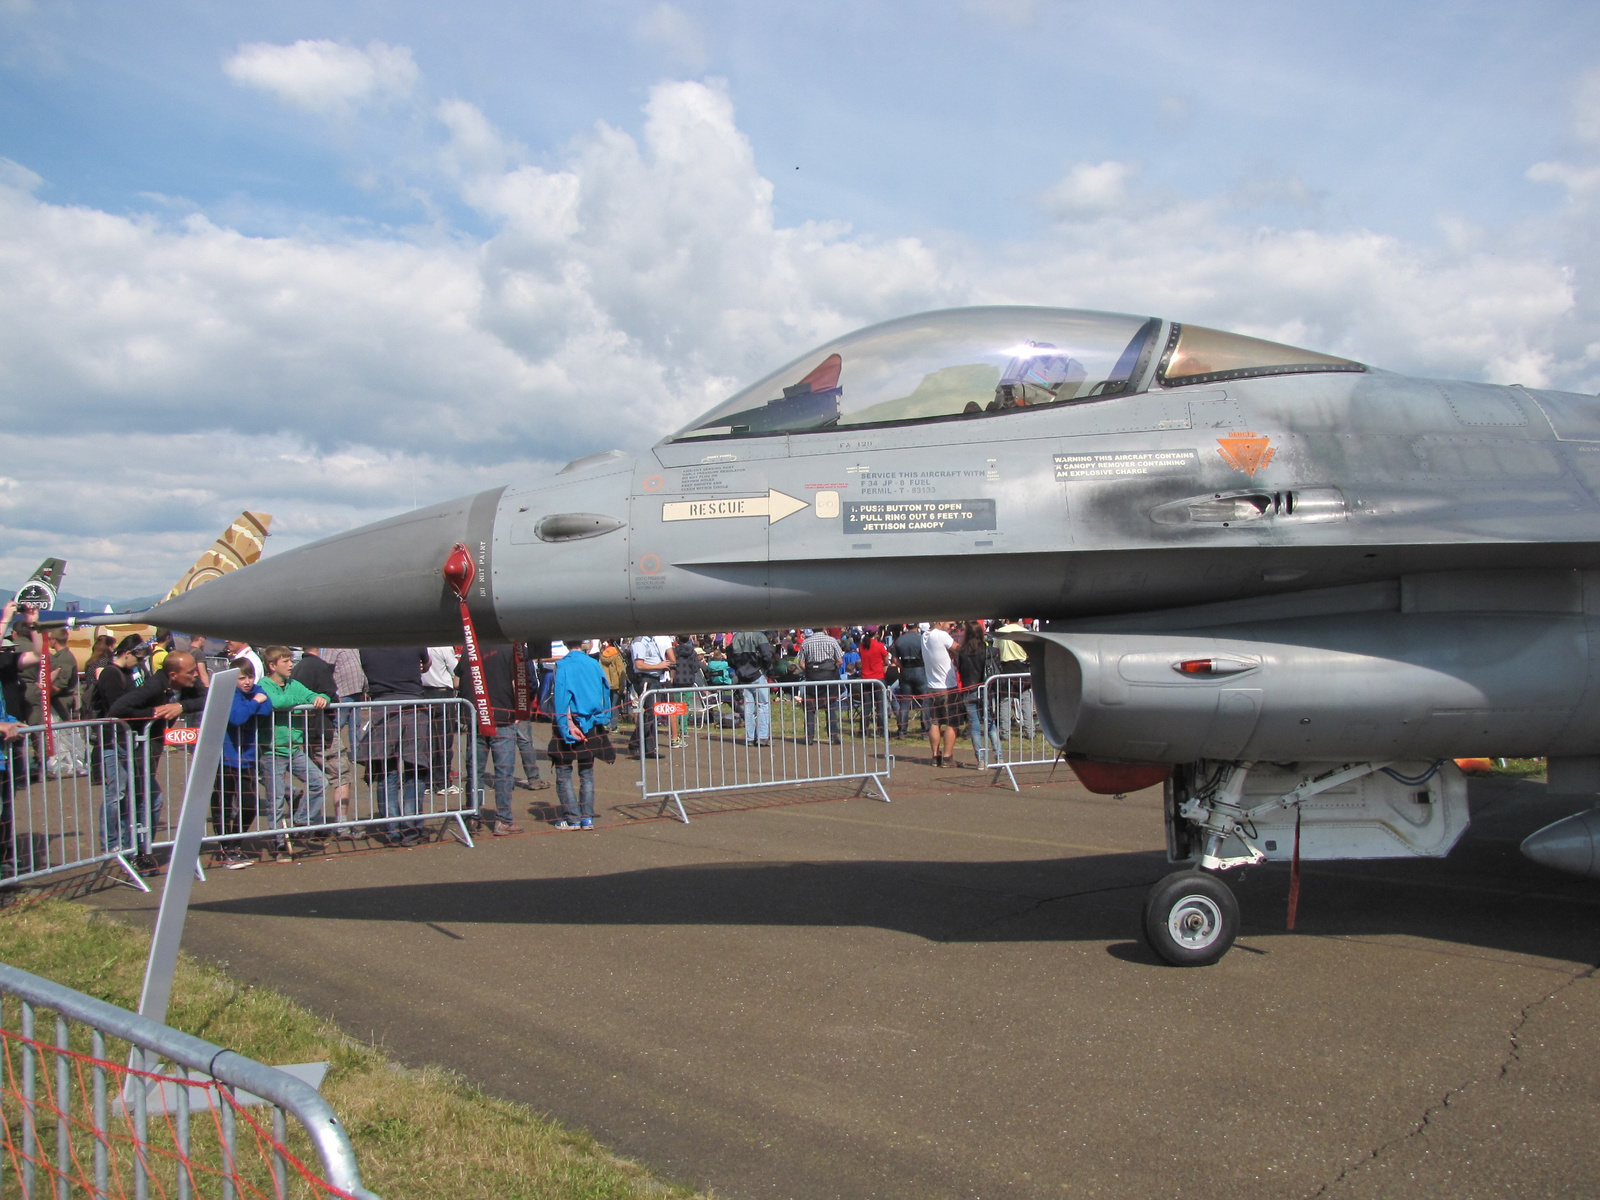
point(1191, 918)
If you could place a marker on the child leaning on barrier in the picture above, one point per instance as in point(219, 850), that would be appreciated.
point(285, 758)
point(233, 796)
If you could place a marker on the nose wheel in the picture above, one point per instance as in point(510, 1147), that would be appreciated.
point(1191, 918)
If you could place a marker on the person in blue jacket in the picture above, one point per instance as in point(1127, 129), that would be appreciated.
point(580, 705)
point(233, 796)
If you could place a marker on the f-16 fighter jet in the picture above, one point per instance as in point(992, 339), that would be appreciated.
point(1291, 585)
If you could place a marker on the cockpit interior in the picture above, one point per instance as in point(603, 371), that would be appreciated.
point(977, 362)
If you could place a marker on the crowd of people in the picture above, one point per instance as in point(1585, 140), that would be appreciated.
point(932, 671)
point(290, 759)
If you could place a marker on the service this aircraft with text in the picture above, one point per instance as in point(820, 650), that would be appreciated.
point(1291, 584)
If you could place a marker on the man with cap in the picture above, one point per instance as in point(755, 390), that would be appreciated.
point(167, 695)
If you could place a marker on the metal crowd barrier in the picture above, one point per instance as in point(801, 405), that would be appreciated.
point(78, 1121)
point(712, 739)
point(1012, 734)
point(73, 809)
point(109, 792)
point(380, 768)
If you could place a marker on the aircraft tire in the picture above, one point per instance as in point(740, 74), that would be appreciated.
point(1191, 918)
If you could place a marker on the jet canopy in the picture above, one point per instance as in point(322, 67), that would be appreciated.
point(975, 362)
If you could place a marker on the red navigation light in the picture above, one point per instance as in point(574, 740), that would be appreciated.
point(1197, 666)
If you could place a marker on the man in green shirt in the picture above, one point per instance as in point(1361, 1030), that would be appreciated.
point(285, 758)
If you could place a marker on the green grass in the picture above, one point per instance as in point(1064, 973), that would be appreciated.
point(419, 1135)
point(1519, 768)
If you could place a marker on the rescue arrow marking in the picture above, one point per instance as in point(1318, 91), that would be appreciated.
point(774, 506)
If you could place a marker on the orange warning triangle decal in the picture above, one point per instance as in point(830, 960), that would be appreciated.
point(1247, 452)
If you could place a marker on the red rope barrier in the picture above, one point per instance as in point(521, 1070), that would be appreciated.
point(251, 1167)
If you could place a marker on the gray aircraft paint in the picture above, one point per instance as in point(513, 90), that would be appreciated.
point(1413, 561)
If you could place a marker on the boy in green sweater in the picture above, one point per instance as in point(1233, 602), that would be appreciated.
point(285, 759)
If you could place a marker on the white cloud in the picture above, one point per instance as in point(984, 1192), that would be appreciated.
point(159, 497)
point(670, 28)
point(1088, 188)
point(159, 373)
point(322, 76)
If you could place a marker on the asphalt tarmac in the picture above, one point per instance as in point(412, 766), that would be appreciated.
point(947, 996)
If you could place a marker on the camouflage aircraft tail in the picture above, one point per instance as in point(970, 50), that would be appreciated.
point(42, 586)
point(239, 546)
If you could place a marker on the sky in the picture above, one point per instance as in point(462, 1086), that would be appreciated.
point(333, 260)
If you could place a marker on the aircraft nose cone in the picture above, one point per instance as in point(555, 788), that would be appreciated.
point(381, 584)
point(1567, 845)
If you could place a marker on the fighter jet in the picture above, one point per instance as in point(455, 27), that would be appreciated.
point(1290, 585)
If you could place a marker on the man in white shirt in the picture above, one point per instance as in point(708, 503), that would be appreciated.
point(242, 650)
point(438, 682)
point(440, 677)
point(652, 658)
point(944, 690)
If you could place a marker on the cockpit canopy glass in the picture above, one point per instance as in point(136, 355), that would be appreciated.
point(1196, 354)
point(964, 362)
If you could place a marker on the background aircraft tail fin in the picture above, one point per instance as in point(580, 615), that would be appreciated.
point(239, 546)
point(43, 584)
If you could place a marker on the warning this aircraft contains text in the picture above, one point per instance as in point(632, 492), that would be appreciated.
point(918, 516)
point(1126, 464)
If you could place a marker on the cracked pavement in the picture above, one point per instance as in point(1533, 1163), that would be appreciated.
point(947, 996)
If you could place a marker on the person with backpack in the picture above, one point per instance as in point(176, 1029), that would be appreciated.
point(579, 715)
point(821, 658)
point(752, 659)
point(688, 671)
point(615, 665)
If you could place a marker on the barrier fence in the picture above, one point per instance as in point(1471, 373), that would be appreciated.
point(1012, 736)
point(76, 1121)
point(712, 739)
point(70, 809)
point(380, 769)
